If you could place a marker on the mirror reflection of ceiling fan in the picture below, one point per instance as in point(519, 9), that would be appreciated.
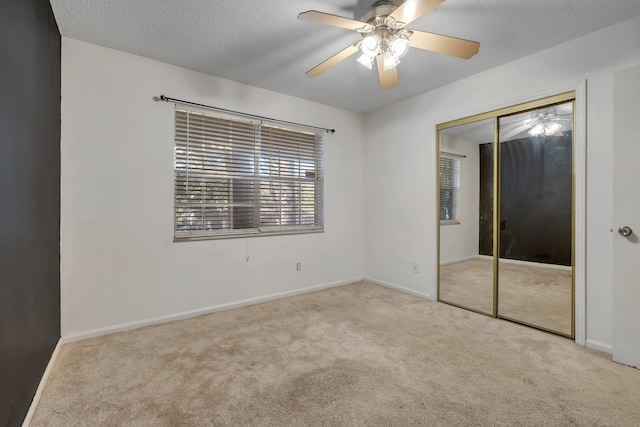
point(545, 122)
point(385, 40)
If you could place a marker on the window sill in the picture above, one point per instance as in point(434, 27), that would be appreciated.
point(237, 234)
point(449, 222)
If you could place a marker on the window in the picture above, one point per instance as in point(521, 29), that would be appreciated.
point(237, 178)
point(449, 189)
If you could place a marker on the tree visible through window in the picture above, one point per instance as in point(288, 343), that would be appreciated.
point(449, 188)
point(238, 178)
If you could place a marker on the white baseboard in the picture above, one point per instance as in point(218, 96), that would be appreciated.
point(398, 288)
point(41, 385)
point(529, 263)
point(77, 336)
point(600, 346)
point(455, 261)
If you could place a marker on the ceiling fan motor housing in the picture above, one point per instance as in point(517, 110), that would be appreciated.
point(381, 9)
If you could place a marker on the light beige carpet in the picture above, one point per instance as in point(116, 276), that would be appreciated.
point(530, 293)
point(356, 355)
point(468, 284)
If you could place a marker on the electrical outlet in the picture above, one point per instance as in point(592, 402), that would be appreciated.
point(415, 268)
point(299, 266)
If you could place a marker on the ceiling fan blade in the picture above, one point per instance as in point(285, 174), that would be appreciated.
point(411, 10)
point(452, 46)
point(388, 78)
point(328, 19)
point(513, 132)
point(335, 59)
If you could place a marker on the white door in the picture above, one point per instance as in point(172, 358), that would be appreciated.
point(626, 213)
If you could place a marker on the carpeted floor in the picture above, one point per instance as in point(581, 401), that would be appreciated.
point(356, 355)
point(533, 294)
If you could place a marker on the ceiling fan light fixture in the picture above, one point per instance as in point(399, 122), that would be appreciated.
point(389, 61)
point(370, 46)
point(551, 128)
point(399, 47)
point(366, 61)
point(536, 130)
point(547, 129)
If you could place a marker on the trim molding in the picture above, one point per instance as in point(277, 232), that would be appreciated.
point(580, 214)
point(78, 336)
point(398, 288)
point(600, 346)
point(41, 385)
point(528, 263)
point(457, 260)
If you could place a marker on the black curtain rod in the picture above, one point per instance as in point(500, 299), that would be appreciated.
point(253, 116)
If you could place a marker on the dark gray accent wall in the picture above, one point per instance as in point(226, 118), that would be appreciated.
point(485, 237)
point(535, 199)
point(29, 201)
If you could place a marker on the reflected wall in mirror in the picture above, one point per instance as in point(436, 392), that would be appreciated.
point(466, 277)
point(536, 212)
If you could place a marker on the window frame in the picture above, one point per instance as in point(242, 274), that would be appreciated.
point(296, 178)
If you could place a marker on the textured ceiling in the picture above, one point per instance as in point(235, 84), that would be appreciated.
point(261, 43)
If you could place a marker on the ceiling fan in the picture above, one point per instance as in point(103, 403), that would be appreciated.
point(385, 39)
point(545, 122)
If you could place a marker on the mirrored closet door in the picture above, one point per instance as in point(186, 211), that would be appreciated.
point(506, 214)
point(466, 216)
point(536, 194)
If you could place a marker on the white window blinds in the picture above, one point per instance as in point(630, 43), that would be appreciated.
point(449, 188)
point(236, 178)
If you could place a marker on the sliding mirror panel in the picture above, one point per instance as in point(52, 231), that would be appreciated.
point(466, 216)
point(536, 214)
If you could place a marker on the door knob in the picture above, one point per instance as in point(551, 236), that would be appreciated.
point(625, 231)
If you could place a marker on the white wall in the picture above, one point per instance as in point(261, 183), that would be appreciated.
point(400, 194)
point(461, 241)
point(119, 263)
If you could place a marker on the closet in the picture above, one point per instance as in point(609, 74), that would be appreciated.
point(506, 213)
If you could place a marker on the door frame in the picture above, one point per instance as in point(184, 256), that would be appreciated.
point(579, 189)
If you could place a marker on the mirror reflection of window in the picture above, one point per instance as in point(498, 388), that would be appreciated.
point(449, 188)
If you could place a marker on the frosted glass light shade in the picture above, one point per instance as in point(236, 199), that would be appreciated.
point(370, 46)
point(366, 61)
point(536, 130)
point(545, 128)
point(389, 61)
point(400, 47)
point(552, 128)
